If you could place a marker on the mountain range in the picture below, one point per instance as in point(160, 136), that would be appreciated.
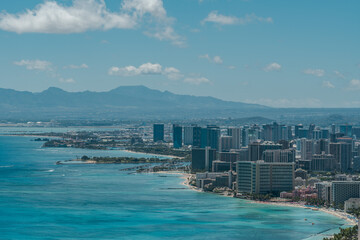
point(125, 102)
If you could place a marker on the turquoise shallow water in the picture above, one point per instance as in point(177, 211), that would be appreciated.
point(41, 200)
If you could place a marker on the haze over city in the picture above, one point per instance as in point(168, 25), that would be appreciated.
point(274, 53)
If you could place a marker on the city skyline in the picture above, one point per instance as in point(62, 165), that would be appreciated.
point(298, 54)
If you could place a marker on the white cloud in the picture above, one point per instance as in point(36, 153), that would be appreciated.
point(196, 81)
point(66, 80)
point(146, 69)
point(231, 67)
point(327, 84)
point(315, 72)
point(142, 7)
point(339, 74)
point(206, 56)
point(354, 84)
point(51, 17)
point(215, 17)
point(35, 65)
point(87, 15)
point(287, 103)
point(172, 73)
point(215, 59)
point(82, 66)
point(272, 67)
point(167, 33)
point(48, 68)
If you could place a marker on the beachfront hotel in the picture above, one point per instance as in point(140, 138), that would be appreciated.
point(344, 190)
point(261, 177)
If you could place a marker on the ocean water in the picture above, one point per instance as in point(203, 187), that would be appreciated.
point(41, 200)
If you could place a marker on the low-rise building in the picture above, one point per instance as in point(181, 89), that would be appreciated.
point(224, 179)
point(352, 203)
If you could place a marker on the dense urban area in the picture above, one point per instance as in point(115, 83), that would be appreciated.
point(312, 166)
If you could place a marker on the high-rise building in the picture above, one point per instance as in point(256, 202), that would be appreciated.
point(244, 136)
point(256, 149)
point(356, 163)
point(261, 178)
point(229, 157)
point(303, 133)
point(243, 154)
point(323, 162)
point(286, 156)
point(267, 132)
point(221, 166)
point(202, 158)
point(316, 134)
point(307, 149)
point(289, 133)
point(204, 138)
point(297, 127)
point(343, 155)
point(324, 191)
point(235, 133)
point(346, 130)
point(275, 132)
point(321, 145)
point(158, 132)
point(311, 131)
point(213, 137)
point(333, 128)
point(344, 190)
point(197, 137)
point(325, 134)
point(189, 135)
point(177, 136)
point(225, 143)
point(355, 131)
point(253, 134)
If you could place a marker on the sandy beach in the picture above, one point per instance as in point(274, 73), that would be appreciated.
point(345, 216)
point(348, 217)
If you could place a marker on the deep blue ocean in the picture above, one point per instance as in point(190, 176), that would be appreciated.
point(41, 200)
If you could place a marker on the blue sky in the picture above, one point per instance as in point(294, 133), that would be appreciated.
point(277, 53)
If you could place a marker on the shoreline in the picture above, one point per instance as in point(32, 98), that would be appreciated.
point(29, 135)
point(123, 150)
point(342, 215)
point(154, 154)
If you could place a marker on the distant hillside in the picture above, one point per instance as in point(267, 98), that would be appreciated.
point(127, 102)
